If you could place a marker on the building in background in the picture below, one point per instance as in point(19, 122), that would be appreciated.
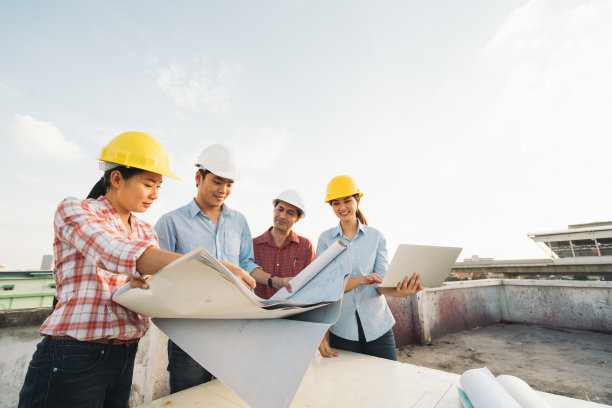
point(28, 288)
point(579, 243)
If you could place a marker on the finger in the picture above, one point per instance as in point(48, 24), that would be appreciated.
point(373, 278)
point(417, 282)
point(248, 281)
point(328, 352)
point(138, 284)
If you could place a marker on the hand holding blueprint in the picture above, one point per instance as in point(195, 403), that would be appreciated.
point(259, 348)
point(198, 286)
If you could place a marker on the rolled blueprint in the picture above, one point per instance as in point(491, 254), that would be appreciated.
point(485, 391)
point(311, 270)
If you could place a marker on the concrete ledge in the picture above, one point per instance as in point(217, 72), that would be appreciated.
point(24, 317)
point(463, 305)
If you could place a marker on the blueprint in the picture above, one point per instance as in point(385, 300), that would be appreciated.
point(259, 348)
point(198, 286)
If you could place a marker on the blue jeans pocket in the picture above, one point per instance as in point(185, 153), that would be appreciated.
point(76, 359)
point(77, 378)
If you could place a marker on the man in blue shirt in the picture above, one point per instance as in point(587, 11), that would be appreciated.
point(207, 222)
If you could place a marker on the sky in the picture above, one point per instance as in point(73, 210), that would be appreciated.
point(464, 123)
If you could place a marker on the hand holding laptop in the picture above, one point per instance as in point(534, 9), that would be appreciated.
point(410, 286)
point(431, 263)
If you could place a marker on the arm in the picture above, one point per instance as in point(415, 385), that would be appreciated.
point(240, 273)
point(79, 224)
point(247, 255)
point(262, 277)
point(370, 279)
point(154, 259)
point(352, 283)
point(310, 254)
point(166, 233)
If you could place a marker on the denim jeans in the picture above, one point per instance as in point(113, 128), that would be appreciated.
point(72, 373)
point(383, 347)
point(185, 372)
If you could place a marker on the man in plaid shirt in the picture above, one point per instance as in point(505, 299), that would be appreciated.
point(279, 251)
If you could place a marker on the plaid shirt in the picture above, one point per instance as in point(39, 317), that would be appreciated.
point(285, 262)
point(94, 256)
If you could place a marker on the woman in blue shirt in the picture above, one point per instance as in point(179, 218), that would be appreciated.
point(365, 322)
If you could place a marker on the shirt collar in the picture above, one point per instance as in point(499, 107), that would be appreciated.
point(338, 230)
point(194, 209)
point(109, 206)
point(267, 238)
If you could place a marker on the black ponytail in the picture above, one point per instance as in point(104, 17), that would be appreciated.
point(102, 186)
point(99, 189)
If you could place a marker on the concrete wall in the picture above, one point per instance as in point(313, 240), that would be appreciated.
point(579, 305)
point(18, 340)
point(457, 306)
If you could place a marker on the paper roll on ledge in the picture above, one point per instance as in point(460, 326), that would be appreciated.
point(259, 348)
point(482, 390)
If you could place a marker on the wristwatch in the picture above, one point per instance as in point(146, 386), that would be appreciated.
point(270, 278)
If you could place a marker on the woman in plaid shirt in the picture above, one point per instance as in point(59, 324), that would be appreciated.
point(86, 357)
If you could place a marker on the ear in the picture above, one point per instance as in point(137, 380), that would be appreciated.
point(198, 178)
point(357, 199)
point(115, 178)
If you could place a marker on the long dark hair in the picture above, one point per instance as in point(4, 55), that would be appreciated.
point(102, 186)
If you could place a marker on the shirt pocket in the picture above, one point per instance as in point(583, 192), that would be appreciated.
point(297, 265)
point(231, 247)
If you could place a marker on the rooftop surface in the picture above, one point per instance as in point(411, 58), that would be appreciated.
point(573, 363)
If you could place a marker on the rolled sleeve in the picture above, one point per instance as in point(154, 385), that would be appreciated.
point(322, 244)
point(247, 256)
point(381, 264)
point(78, 225)
point(166, 233)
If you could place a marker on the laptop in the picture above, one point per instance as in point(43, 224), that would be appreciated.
point(433, 263)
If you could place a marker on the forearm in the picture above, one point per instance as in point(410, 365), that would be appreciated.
point(352, 283)
point(260, 276)
point(389, 292)
point(153, 259)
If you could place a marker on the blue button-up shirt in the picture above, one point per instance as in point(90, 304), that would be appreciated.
point(368, 253)
point(188, 228)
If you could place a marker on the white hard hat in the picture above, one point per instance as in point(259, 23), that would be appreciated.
point(292, 197)
point(220, 160)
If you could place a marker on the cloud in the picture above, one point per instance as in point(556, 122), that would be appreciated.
point(42, 139)
point(192, 86)
point(28, 179)
point(554, 77)
point(260, 149)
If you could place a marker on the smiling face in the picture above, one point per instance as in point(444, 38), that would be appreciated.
point(345, 208)
point(212, 190)
point(137, 193)
point(285, 216)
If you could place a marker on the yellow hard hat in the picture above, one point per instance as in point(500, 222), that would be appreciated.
point(341, 186)
point(139, 150)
